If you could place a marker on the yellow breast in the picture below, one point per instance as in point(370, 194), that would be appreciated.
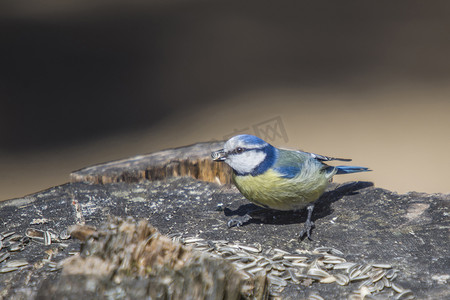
point(271, 190)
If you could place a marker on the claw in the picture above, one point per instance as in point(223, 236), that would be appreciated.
point(238, 221)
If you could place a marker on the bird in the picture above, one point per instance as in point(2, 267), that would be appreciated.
point(276, 178)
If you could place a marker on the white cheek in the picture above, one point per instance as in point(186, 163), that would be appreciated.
point(246, 162)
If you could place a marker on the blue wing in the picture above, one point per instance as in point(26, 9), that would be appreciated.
point(288, 171)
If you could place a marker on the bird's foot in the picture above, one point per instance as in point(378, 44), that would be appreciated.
point(309, 225)
point(239, 221)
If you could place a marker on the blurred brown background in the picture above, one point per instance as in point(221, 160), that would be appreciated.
point(83, 82)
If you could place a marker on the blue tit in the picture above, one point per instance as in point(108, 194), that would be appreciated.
point(276, 178)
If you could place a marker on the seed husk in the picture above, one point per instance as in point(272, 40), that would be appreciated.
point(382, 266)
point(8, 269)
point(6, 234)
point(4, 256)
point(397, 288)
point(276, 280)
point(315, 297)
point(342, 279)
point(378, 275)
point(16, 263)
point(344, 266)
point(318, 272)
point(16, 247)
point(47, 238)
point(329, 279)
point(406, 294)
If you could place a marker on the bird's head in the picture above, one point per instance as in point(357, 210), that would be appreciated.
point(246, 154)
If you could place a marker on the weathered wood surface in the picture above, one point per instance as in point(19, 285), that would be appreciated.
point(194, 161)
point(369, 225)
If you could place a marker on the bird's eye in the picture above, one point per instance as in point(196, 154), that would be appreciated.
point(239, 150)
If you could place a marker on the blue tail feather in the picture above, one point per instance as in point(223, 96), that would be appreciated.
point(350, 169)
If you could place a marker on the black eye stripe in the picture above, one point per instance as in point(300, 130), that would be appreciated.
point(238, 150)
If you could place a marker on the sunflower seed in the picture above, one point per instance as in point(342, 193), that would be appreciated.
point(329, 279)
point(293, 276)
point(367, 282)
point(317, 272)
point(4, 256)
point(6, 234)
point(366, 269)
point(279, 267)
point(355, 272)
point(16, 247)
point(379, 285)
point(406, 294)
point(256, 270)
point(47, 238)
point(386, 282)
point(390, 274)
point(360, 277)
point(336, 251)
point(276, 273)
point(322, 250)
point(251, 249)
point(315, 297)
point(300, 264)
point(378, 275)
point(295, 257)
point(382, 266)
point(16, 263)
point(192, 240)
point(278, 256)
point(276, 280)
point(281, 251)
point(8, 269)
point(14, 237)
point(34, 233)
point(397, 288)
point(342, 279)
point(344, 266)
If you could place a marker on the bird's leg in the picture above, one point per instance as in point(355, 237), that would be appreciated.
point(308, 224)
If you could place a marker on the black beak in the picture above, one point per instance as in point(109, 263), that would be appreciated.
point(219, 155)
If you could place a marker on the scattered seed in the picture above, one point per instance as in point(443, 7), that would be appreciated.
point(317, 272)
point(360, 277)
point(344, 266)
point(281, 251)
point(329, 279)
point(382, 266)
point(378, 275)
point(379, 285)
point(16, 263)
point(4, 256)
point(295, 257)
point(342, 279)
point(8, 269)
point(16, 247)
point(276, 280)
point(386, 282)
point(47, 238)
point(315, 297)
point(250, 249)
point(406, 294)
point(6, 234)
point(14, 237)
point(397, 288)
point(391, 273)
point(192, 240)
